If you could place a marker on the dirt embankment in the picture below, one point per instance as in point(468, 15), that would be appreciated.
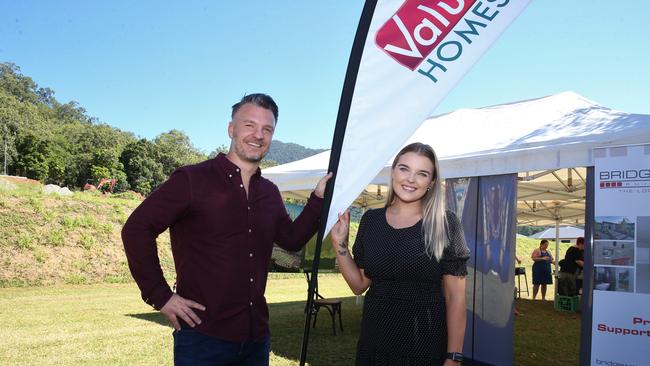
point(49, 239)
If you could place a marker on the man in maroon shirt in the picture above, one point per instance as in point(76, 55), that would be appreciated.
point(223, 218)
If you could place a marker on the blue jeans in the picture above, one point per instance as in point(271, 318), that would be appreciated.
point(194, 348)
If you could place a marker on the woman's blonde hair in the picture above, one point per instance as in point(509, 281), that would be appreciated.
point(434, 222)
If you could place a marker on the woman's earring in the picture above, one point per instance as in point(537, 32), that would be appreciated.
point(428, 188)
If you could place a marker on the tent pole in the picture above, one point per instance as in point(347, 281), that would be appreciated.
point(337, 144)
point(557, 251)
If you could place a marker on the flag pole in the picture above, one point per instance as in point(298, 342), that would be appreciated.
point(335, 154)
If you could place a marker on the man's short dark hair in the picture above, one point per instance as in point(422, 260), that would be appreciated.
point(260, 100)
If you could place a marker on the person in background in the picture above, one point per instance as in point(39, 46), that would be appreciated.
point(412, 256)
point(542, 275)
point(570, 266)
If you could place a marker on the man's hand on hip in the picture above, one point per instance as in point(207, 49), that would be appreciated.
point(179, 307)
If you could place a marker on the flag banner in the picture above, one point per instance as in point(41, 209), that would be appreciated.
point(414, 54)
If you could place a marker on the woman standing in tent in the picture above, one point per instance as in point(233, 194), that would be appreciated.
point(541, 268)
point(412, 255)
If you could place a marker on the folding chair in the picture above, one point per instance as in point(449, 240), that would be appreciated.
point(333, 306)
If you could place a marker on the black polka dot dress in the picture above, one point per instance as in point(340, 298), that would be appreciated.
point(403, 319)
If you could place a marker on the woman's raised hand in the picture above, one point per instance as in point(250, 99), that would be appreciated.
point(340, 232)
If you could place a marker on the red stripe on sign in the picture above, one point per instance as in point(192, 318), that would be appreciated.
point(418, 27)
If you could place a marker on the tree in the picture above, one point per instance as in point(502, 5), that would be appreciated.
point(144, 171)
point(97, 173)
point(32, 157)
point(175, 150)
point(267, 163)
point(220, 149)
point(98, 145)
point(70, 112)
point(13, 82)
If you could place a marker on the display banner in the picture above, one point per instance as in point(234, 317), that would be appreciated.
point(620, 332)
point(462, 198)
point(487, 209)
point(414, 54)
point(494, 280)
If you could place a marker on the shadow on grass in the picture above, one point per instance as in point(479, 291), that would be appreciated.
point(544, 336)
point(287, 328)
point(533, 330)
point(154, 317)
point(287, 321)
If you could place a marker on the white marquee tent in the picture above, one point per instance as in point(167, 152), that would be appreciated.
point(566, 233)
point(548, 141)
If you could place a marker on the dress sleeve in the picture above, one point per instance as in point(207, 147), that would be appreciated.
point(455, 256)
point(358, 248)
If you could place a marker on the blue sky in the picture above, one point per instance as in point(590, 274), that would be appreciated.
point(152, 66)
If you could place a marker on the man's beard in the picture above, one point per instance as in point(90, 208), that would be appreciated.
point(251, 158)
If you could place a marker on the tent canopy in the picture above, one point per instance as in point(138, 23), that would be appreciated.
point(552, 197)
point(566, 232)
point(541, 139)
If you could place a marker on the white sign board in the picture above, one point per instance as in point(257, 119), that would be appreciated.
point(621, 250)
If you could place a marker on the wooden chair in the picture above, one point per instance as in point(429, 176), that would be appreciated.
point(333, 306)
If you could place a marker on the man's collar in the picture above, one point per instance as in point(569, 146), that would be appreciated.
point(229, 167)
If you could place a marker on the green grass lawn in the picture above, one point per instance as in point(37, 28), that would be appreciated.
point(544, 336)
point(108, 324)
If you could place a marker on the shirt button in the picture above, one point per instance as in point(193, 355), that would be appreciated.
point(241, 185)
point(230, 175)
point(250, 231)
point(250, 255)
point(237, 170)
point(249, 208)
point(251, 279)
point(250, 303)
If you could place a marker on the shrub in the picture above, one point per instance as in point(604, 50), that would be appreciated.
point(87, 241)
point(76, 279)
point(56, 238)
point(25, 241)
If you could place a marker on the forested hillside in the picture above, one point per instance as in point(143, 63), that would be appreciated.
point(286, 152)
point(59, 143)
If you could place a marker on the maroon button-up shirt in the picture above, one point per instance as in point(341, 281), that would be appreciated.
point(221, 242)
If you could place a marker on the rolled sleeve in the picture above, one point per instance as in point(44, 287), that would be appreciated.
point(294, 235)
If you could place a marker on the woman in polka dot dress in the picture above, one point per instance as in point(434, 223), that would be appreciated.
point(412, 256)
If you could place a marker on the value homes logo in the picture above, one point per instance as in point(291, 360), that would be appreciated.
point(430, 35)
